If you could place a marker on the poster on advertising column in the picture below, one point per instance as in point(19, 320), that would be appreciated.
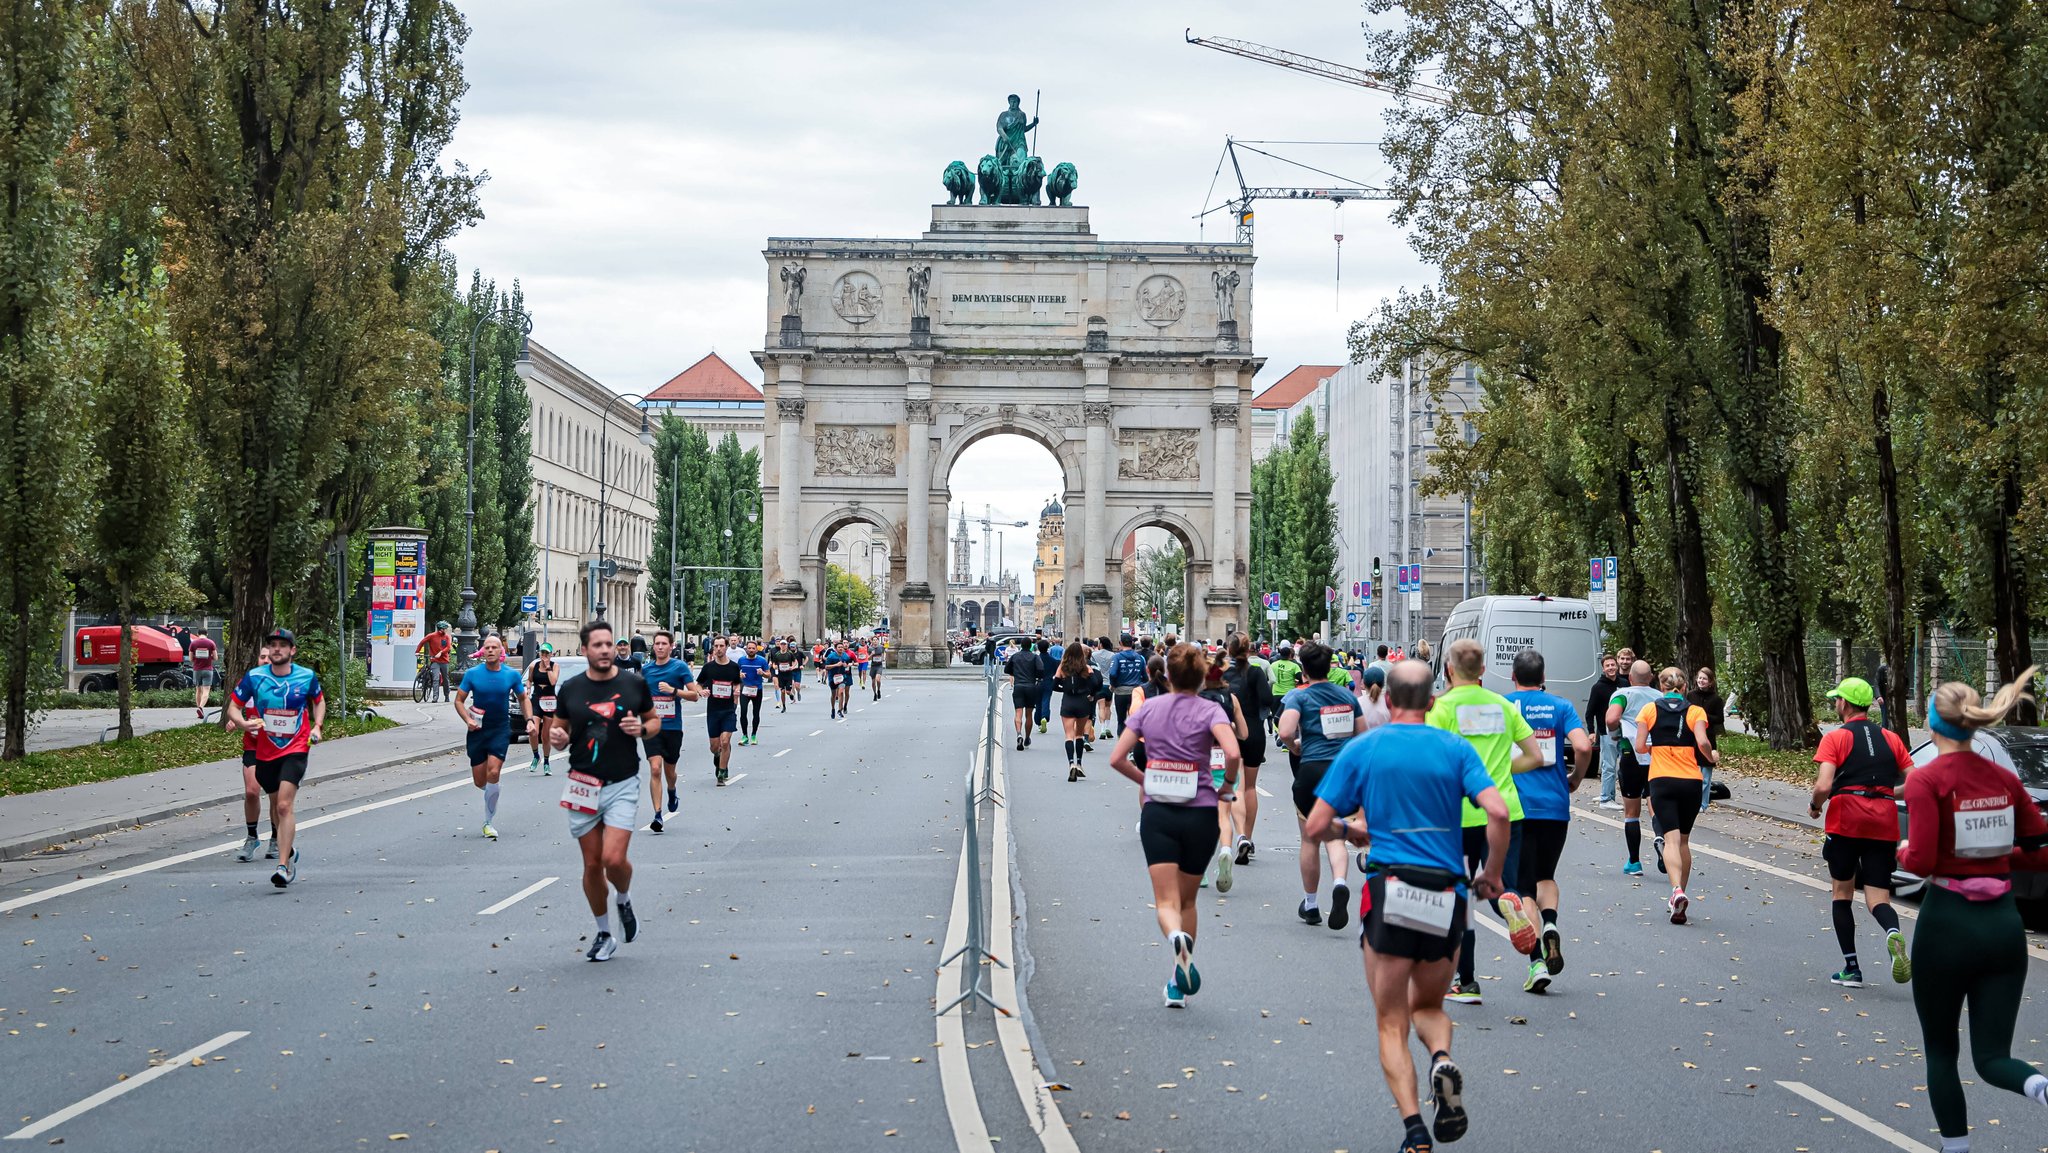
point(398, 588)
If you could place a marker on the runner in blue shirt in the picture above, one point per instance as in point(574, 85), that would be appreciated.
point(754, 668)
point(1411, 781)
point(669, 679)
point(1547, 804)
point(484, 702)
point(1316, 720)
point(280, 708)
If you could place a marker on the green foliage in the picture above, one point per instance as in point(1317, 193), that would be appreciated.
point(851, 601)
point(701, 494)
point(1294, 524)
point(163, 749)
point(1160, 584)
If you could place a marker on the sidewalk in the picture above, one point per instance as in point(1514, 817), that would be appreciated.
point(63, 728)
point(33, 822)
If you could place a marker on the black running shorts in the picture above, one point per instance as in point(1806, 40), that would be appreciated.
point(666, 744)
point(1395, 941)
point(1542, 848)
point(290, 768)
point(1865, 860)
point(1634, 777)
point(1182, 835)
point(1024, 696)
point(1675, 802)
point(1308, 775)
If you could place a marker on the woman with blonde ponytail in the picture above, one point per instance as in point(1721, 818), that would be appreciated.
point(1969, 822)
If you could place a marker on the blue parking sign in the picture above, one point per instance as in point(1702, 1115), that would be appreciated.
point(529, 604)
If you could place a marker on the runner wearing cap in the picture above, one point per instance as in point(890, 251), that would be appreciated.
point(1861, 766)
point(281, 707)
point(540, 678)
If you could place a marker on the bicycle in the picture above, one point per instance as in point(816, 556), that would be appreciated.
point(424, 681)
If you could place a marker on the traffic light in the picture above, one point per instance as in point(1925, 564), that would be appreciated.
point(1375, 572)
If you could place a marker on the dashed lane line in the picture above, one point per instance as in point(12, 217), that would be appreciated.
point(783, 751)
point(1861, 1120)
point(517, 897)
point(197, 1053)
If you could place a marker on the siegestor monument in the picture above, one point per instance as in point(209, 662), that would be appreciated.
point(1130, 361)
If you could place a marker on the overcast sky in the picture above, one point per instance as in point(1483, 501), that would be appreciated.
point(640, 153)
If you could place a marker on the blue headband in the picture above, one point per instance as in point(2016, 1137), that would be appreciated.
point(1946, 727)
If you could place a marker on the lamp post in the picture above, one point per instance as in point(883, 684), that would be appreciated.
point(465, 621)
point(604, 469)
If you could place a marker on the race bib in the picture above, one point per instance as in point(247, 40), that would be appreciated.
point(1546, 743)
point(285, 722)
point(1984, 832)
point(1482, 721)
point(579, 793)
point(548, 703)
point(721, 690)
point(1216, 760)
point(665, 707)
point(1337, 720)
point(750, 690)
point(1417, 909)
point(1171, 781)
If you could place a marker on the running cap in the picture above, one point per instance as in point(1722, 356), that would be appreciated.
point(1854, 691)
point(281, 634)
point(439, 626)
point(546, 647)
point(1373, 676)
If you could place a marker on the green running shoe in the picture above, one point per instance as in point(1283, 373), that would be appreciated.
point(1902, 965)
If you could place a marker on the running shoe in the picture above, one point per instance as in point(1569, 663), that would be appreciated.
point(547, 768)
point(1041, 727)
point(1657, 843)
point(674, 802)
point(1309, 913)
point(1538, 980)
point(1186, 977)
point(270, 851)
point(1447, 1092)
point(654, 826)
point(251, 846)
point(490, 834)
point(1244, 850)
point(721, 780)
point(287, 872)
point(1020, 742)
point(1417, 1141)
point(1553, 950)
point(1632, 869)
point(1902, 966)
point(1340, 905)
point(1848, 979)
point(535, 766)
point(1615, 805)
point(1522, 932)
point(1463, 992)
point(1223, 862)
point(1678, 903)
point(1175, 999)
point(601, 948)
point(628, 923)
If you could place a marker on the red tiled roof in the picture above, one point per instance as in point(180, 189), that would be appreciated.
point(1288, 390)
point(709, 379)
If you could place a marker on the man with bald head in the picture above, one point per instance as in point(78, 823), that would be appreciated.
point(1622, 713)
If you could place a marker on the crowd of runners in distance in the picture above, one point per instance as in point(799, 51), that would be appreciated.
point(1454, 794)
point(624, 705)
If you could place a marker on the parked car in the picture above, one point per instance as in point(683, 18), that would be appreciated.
point(976, 651)
point(2024, 752)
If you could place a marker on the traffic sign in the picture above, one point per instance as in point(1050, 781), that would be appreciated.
point(1351, 618)
point(529, 604)
point(1599, 574)
point(1276, 614)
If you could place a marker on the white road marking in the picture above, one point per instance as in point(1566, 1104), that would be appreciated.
point(956, 1083)
point(736, 778)
point(1855, 1117)
point(8, 906)
point(517, 897)
point(783, 751)
point(815, 732)
point(1041, 1108)
point(1472, 907)
point(1263, 792)
point(107, 1094)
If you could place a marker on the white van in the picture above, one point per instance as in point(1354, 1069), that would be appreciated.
point(1566, 631)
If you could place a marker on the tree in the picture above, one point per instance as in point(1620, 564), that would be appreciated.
point(299, 151)
point(704, 499)
point(850, 602)
point(1310, 521)
point(43, 393)
point(1159, 590)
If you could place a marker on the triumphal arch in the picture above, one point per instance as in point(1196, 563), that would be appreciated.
point(1130, 361)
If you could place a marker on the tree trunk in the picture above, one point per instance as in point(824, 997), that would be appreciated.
point(16, 719)
point(2009, 592)
point(125, 678)
point(1632, 582)
point(1693, 635)
point(253, 609)
point(1892, 636)
point(1783, 633)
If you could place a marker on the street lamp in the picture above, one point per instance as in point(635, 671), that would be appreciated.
point(604, 564)
point(465, 621)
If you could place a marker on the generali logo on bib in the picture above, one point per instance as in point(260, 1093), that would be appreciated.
point(1971, 804)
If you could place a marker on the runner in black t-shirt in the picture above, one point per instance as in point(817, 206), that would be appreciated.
point(720, 679)
point(600, 716)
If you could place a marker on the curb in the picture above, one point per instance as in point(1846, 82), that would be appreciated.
point(22, 850)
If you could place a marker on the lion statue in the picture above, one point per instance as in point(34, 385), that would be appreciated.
point(1029, 180)
point(1059, 187)
point(959, 184)
point(991, 179)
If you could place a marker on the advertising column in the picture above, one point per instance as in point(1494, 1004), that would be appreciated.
point(398, 591)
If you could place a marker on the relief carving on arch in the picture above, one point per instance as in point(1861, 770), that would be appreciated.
point(855, 450)
point(1159, 454)
point(1056, 415)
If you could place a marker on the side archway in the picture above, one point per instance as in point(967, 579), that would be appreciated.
point(816, 557)
point(1194, 585)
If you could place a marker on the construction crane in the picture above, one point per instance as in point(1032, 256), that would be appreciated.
point(1240, 206)
point(1342, 73)
point(989, 523)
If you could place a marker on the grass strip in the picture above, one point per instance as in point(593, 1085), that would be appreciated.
point(195, 744)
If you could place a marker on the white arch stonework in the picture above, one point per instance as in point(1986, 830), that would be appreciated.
point(1117, 357)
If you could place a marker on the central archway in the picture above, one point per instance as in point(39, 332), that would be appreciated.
point(1006, 547)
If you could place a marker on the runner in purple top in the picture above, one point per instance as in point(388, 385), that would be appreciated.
point(1178, 823)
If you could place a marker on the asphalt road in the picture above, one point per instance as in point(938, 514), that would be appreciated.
point(780, 995)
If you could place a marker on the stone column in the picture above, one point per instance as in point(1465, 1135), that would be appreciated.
point(915, 643)
point(1094, 619)
point(1223, 599)
point(786, 597)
